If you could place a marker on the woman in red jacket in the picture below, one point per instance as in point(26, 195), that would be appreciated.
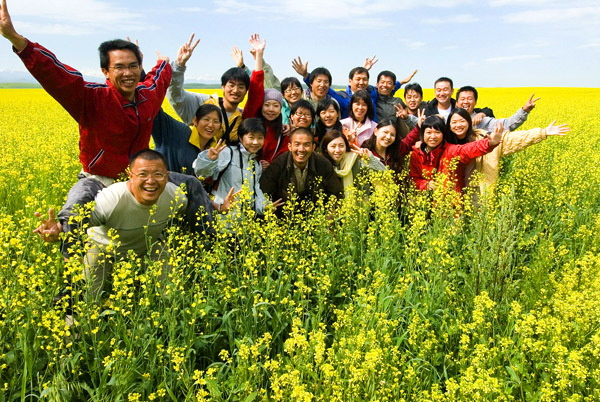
point(435, 154)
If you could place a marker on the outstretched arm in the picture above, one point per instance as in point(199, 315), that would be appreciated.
point(8, 30)
point(50, 229)
point(407, 79)
point(515, 141)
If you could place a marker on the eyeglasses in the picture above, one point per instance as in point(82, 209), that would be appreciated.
point(121, 67)
point(305, 115)
point(158, 176)
point(289, 90)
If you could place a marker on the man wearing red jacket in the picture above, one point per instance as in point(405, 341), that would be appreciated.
point(115, 118)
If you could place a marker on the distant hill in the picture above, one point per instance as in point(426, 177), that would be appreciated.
point(18, 85)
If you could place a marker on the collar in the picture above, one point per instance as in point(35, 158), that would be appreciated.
point(245, 152)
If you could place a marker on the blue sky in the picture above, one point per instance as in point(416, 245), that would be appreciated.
point(493, 43)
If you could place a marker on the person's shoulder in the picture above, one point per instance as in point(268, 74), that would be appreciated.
point(115, 189)
point(280, 161)
point(480, 133)
point(343, 94)
point(321, 161)
point(110, 197)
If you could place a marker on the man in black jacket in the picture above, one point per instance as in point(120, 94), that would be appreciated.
point(302, 171)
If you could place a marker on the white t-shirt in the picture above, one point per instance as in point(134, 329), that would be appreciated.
point(135, 224)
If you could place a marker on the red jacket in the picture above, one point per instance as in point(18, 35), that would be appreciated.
point(111, 128)
point(423, 163)
point(274, 144)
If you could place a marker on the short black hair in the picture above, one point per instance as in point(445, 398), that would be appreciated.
point(302, 130)
point(207, 108)
point(387, 73)
point(467, 88)
point(319, 71)
point(117, 44)
point(286, 82)
point(358, 70)
point(444, 79)
point(251, 125)
point(303, 104)
point(148, 155)
point(413, 87)
point(235, 74)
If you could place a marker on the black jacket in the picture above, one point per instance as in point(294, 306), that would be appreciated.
point(277, 178)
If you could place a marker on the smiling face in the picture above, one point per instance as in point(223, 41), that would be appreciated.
point(385, 85)
point(123, 71)
point(292, 94)
point(359, 81)
point(301, 147)
point(234, 92)
point(432, 137)
point(208, 125)
point(320, 86)
point(253, 141)
point(413, 100)
point(337, 149)
point(466, 100)
point(147, 180)
point(443, 93)
point(459, 125)
point(271, 109)
point(301, 118)
point(329, 116)
point(359, 109)
point(385, 137)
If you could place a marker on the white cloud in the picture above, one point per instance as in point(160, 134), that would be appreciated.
point(551, 15)
point(451, 19)
point(75, 17)
point(545, 3)
point(366, 13)
point(512, 58)
point(193, 10)
point(591, 45)
point(416, 45)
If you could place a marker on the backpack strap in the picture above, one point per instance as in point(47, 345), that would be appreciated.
point(228, 127)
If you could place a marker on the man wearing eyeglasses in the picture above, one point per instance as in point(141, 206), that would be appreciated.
point(115, 118)
point(136, 211)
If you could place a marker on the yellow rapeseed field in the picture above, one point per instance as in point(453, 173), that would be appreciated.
point(498, 303)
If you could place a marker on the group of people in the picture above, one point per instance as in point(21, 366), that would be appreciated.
point(285, 140)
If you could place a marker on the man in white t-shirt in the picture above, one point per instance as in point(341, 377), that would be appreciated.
point(137, 211)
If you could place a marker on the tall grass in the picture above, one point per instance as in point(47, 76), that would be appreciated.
point(350, 301)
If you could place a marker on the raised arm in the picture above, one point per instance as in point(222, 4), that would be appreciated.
point(408, 78)
point(185, 103)
point(212, 161)
point(256, 91)
point(300, 68)
point(8, 30)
